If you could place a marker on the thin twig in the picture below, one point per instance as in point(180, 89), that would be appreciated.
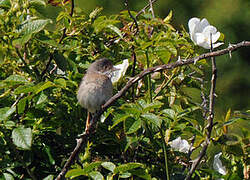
point(130, 83)
point(143, 9)
point(151, 8)
point(132, 17)
point(133, 70)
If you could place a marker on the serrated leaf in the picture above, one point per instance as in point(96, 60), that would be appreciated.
point(127, 167)
point(109, 166)
point(170, 113)
point(33, 26)
point(118, 119)
point(6, 112)
point(115, 29)
point(94, 13)
point(30, 27)
point(22, 137)
point(96, 175)
point(153, 119)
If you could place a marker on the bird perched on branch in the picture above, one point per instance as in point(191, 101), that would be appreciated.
point(96, 87)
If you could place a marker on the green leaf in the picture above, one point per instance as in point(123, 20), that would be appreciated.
point(51, 159)
point(95, 12)
point(115, 29)
point(30, 27)
point(187, 111)
point(42, 99)
point(102, 22)
point(109, 166)
point(193, 93)
point(73, 173)
point(126, 167)
point(153, 119)
point(5, 4)
point(96, 175)
point(33, 26)
point(153, 105)
point(90, 167)
point(169, 16)
point(8, 176)
point(61, 61)
point(61, 82)
point(125, 175)
point(22, 137)
point(119, 118)
point(49, 177)
point(15, 80)
point(42, 86)
point(141, 173)
point(22, 104)
point(132, 125)
point(24, 89)
point(6, 112)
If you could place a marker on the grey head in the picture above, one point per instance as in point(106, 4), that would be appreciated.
point(102, 65)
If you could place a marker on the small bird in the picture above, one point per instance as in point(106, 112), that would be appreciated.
point(96, 87)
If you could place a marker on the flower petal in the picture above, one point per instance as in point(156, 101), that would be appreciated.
point(204, 23)
point(217, 45)
point(122, 68)
point(209, 30)
point(201, 26)
point(217, 164)
point(191, 25)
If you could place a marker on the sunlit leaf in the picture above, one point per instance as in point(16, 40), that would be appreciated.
point(109, 166)
point(6, 112)
point(96, 175)
point(22, 137)
point(152, 118)
point(127, 167)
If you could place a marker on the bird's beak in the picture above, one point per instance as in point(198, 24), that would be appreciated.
point(115, 69)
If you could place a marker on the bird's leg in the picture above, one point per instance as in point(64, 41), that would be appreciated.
point(88, 121)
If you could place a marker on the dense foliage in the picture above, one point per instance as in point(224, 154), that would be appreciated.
point(44, 52)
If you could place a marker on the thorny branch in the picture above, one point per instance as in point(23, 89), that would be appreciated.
point(87, 134)
point(209, 118)
point(143, 9)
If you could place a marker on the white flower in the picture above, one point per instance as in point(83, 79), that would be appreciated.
point(202, 32)
point(217, 165)
point(180, 145)
point(120, 72)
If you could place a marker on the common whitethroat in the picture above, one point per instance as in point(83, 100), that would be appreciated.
point(96, 87)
